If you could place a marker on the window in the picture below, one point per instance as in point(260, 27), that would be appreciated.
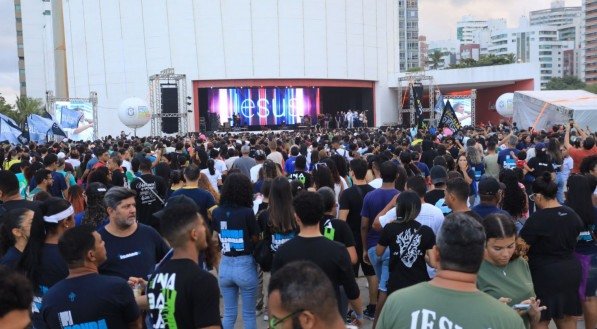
point(47, 13)
point(17, 8)
point(19, 33)
point(19, 20)
point(20, 46)
point(23, 84)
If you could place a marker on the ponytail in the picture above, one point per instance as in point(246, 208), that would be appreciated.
point(211, 166)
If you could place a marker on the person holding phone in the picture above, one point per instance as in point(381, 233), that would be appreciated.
point(504, 273)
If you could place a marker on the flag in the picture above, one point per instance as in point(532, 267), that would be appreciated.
point(439, 103)
point(11, 121)
point(40, 128)
point(69, 118)
point(448, 118)
point(417, 94)
point(9, 133)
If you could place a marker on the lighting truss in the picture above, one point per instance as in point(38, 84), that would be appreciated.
point(156, 81)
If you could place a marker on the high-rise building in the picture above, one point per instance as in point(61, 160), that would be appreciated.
point(408, 31)
point(467, 29)
point(590, 41)
point(533, 44)
point(557, 15)
point(423, 49)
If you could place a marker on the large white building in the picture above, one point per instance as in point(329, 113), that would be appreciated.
point(558, 14)
point(73, 47)
point(469, 29)
point(533, 44)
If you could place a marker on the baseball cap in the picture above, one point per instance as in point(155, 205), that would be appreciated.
point(438, 174)
point(490, 186)
point(259, 155)
point(540, 146)
point(175, 200)
point(96, 188)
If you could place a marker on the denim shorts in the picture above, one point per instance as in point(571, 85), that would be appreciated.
point(381, 265)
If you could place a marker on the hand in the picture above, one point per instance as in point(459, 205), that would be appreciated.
point(535, 310)
point(505, 300)
point(366, 258)
point(133, 281)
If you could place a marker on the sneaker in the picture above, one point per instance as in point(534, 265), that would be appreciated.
point(369, 312)
point(350, 315)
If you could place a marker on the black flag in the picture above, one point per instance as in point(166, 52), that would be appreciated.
point(417, 93)
point(449, 118)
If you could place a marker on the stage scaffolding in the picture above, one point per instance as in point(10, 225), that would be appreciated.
point(169, 78)
point(410, 79)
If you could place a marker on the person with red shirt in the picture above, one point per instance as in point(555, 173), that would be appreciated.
point(578, 154)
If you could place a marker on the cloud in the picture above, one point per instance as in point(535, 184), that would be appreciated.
point(9, 67)
point(437, 18)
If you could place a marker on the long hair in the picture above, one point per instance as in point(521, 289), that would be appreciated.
point(553, 149)
point(237, 191)
point(410, 168)
point(473, 155)
point(322, 176)
point(268, 170)
point(100, 175)
point(579, 198)
point(281, 214)
point(332, 166)
point(408, 206)
point(96, 208)
point(514, 199)
point(203, 183)
point(211, 166)
point(31, 259)
point(74, 195)
point(12, 219)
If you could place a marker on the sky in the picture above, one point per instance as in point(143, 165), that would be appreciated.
point(437, 21)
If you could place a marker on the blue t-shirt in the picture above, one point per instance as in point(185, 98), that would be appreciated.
point(11, 257)
point(423, 168)
point(485, 209)
point(289, 165)
point(236, 227)
point(504, 154)
point(57, 187)
point(53, 268)
point(202, 198)
point(373, 203)
point(90, 301)
point(91, 163)
point(134, 255)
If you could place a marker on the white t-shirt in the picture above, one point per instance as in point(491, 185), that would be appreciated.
point(429, 216)
point(220, 166)
point(213, 179)
point(230, 161)
point(276, 157)
point(255, 172)
point(127, 165)
point(376, 183)
point(74, 162)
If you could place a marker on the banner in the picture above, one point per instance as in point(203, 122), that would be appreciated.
point(439, 103)
point(41, 128)
point(449, 118)
point(417, 94)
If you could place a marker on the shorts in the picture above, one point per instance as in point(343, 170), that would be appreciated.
point(588, 283)
point(381, 265)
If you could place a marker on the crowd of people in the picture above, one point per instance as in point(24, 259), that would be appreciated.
point(484, 227)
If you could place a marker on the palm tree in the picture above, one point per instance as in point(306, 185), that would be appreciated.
point(436, 58)
point(26, 106)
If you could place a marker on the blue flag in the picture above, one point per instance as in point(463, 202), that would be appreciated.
point(40, 128)
point(9, 133)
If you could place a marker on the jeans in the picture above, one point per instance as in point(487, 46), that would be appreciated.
point(561, 179)
point(381, 265)
point(239, 274)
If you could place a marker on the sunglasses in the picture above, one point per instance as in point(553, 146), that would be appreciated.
point(274, 321)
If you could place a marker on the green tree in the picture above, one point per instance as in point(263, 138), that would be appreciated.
point(591, 88)
point(6, 108)
point(414, 69)
point(26, 106)
point(435, 59)
point(565, 83)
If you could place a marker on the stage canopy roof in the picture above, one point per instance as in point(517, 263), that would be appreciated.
point(543, 109)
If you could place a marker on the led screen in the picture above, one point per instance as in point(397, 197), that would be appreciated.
point(462, 108)
point(264, 106)
point(75, 118)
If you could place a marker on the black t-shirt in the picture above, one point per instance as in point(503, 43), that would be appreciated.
point(90, 301)
point(147, 201)
point(303, 177)
point(236, 227)
point(134, 255)
point(352, 200)
point(182, 295)
point(428, 156)
point(277, 238)
point(53, 268)
point(474, 214)
point(336, 230)
point(408, 243)
point(437, 198)
point(540, 165)
point(330, 256)
point(552, 234)
point(117, 178)
point(15, 204)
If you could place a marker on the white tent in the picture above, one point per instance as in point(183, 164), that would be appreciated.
point(543, 109)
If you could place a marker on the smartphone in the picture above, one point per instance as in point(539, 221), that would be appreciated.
point(521, 307)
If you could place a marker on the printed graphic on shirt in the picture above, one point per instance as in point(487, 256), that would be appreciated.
point(441, 204)
point(408, 241)
point(231, 239)
point(163, 306)
point(37, 300)
point(429, 319)
point(279, 239)
point(66, 321)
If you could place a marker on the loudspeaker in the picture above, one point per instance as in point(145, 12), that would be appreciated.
point(169, 105)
